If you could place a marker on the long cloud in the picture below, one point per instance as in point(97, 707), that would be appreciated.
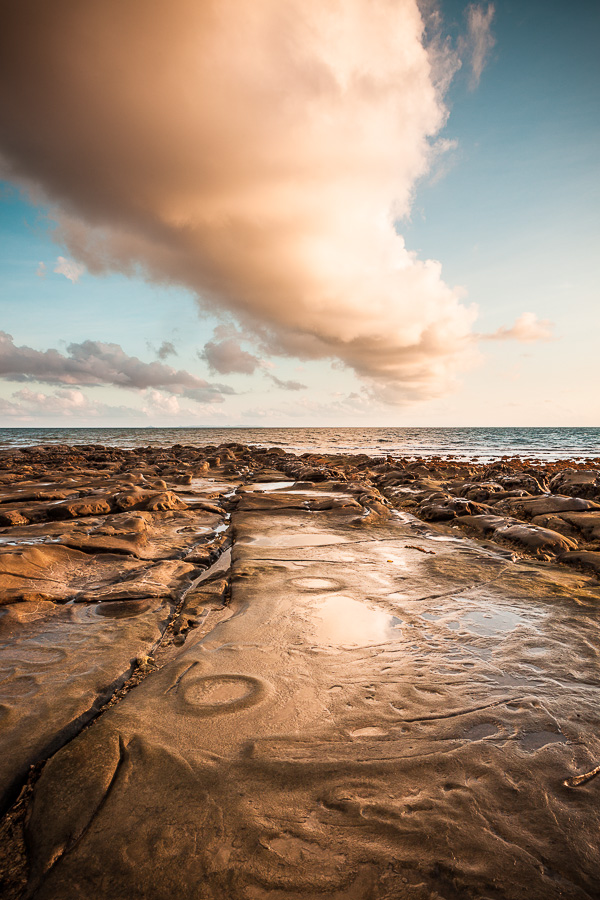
point(258, 153)
point(97, 363)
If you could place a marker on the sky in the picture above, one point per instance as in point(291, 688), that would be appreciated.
point(299, 213)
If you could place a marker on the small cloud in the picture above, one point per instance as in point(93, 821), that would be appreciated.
point(41, 270)
point(227, 356)
point(285, 385)
point(477, 45)
point(69, 268)
point(166, 349)
point(527, 328)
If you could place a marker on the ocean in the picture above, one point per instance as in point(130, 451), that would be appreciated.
point(464, 443)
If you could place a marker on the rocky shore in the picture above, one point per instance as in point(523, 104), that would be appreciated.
point(231, 672)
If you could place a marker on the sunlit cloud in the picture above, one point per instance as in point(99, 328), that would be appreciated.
point(266, 163)
point(158, 403)
point(227, 356)
point(527, 329)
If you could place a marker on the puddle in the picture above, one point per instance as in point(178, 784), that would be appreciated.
point(318, 585)
point(298, 540)
point(12, 540)
point(368, 732)
point(207, 485)
point(222, 564)
point(535, 740)
point(220, 529)
point(195, 529)
point(493, 621)
point(537, 651)
point(490, 622)
point(121, 609)
point(343, 621)
point(478, 732)
point(218, 690)
point(213, 694)
point(269, 486)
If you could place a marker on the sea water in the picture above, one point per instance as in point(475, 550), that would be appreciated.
point(465, 443)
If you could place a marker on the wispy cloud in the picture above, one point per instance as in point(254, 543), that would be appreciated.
point(41, 270)
point(527, 329)
point(69, 268)
point(479, 42)
point(285, 385)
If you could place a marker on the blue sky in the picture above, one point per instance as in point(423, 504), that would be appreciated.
point(511, 211)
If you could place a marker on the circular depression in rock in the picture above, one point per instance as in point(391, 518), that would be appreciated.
point(33, 656)
point(215, 694)
point(317, 584)
point(122, 609)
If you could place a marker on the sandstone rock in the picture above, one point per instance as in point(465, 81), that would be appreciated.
point(556, 523)
point(165, 579)
point(84, 506)
point(540, 541)
point(51, 572)
point(485, 524)
point(12, 517)
point(577, 483)
point(58, 664)
point(587, 559)
point(148, 500)
point(587, 522)
point(353, 672)
point(522, 481)
point(554, 503)
point(448, 508)
point(480, 493)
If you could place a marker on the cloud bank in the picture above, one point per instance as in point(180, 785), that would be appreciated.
point(97, 363)
point(257, 153)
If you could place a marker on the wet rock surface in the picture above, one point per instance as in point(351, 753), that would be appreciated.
point(239, 673)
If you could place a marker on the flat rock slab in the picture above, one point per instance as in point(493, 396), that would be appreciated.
point(389, 712)
point(164, 579)
point(57, 666)
point(51, 572)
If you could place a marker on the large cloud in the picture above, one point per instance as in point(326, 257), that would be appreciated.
point(97, 363)
point(258, 153)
